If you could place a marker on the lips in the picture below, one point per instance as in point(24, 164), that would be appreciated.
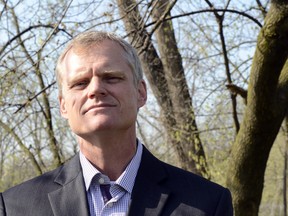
point(99, 106)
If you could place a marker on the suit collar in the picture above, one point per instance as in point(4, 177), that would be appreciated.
point(71, 198)
point(148, 195)
point(69, 172)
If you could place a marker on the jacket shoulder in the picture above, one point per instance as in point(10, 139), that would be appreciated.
point(188, 193)
point(34, 184)
point(31, 197)
point(47, 180)
point(190, 179)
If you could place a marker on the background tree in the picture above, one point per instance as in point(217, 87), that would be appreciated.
point(26, 109)
point(165, 74)
point(267, 104)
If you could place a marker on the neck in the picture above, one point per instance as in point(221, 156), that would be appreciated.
point(109, 154)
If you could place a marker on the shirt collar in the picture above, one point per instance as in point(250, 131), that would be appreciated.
point(126, 179)
point(89, 171)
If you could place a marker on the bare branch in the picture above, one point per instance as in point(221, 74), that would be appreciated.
point(210, 11)
point(27, 30)
point(32, 98)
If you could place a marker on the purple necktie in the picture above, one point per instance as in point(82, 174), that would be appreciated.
point(105, 190)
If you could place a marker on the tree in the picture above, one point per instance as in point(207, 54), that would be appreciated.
point(168, 81)
point(25, 104)
point(268, 95)
point(267, 104)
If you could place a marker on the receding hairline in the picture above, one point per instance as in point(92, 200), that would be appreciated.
point(92, 38)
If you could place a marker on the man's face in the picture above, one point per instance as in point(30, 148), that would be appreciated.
point(98, 90)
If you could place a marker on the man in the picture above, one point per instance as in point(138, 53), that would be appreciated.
point(101, 89)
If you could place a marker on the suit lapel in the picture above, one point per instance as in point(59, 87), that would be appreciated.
point(148, 195)
point(71, 198)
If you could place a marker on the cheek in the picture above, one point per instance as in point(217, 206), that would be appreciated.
point(74, 105)
point(132, 101)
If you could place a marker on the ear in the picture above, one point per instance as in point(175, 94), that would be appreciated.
point(142, 93)
point(63, 109)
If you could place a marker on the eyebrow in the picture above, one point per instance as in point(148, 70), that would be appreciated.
point(80, 73)
point(113, 72)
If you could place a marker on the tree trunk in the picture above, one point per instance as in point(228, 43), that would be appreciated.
point(285, 167)
point(267, 104)
point(167, 80)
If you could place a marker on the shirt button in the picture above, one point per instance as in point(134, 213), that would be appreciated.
point(101, 181)
point(110, 205)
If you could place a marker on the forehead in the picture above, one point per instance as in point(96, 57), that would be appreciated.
point(103, 45)
point(106, 48)
point(105, 55)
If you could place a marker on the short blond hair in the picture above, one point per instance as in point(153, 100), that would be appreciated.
point(90, 38)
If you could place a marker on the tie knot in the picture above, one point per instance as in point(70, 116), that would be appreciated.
point(102, 181)
point(105, 191)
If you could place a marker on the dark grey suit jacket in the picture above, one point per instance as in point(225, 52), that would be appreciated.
point(160, 189)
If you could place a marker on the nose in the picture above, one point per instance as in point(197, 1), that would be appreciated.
point(96, 88)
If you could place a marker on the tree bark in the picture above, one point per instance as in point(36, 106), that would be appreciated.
point(267, 104)
point(285, 174)
point(167, 80)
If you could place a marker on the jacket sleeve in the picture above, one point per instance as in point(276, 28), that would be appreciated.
point(2, 208)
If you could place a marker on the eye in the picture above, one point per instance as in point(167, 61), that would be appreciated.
point(113, 79)
point(80, 84)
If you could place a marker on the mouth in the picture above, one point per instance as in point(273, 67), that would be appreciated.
point(99, 107)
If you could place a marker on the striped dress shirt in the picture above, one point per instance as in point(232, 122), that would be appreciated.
point(120, 189)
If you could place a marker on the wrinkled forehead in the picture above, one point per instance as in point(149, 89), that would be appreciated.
point(86, 49)
point(108, 46)
point(111, 48)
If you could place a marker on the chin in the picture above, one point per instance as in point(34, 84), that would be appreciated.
point(100, 127)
